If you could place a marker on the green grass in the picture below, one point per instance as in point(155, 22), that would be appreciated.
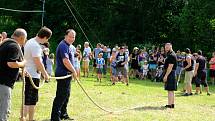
point(146, 96)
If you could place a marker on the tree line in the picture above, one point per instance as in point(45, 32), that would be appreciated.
point(185, 23)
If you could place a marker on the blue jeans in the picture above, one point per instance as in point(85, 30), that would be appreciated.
point(61, 100)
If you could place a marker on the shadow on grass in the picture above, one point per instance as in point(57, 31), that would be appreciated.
point(102, 84)
point(148, 108)
point(46, 120)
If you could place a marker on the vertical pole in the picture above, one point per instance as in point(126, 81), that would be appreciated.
point(43, 11)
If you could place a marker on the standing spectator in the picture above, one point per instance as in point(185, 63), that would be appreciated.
point(109, 54)
point(113, 66)
point(86, 58)
point(11, 59)
point(212, 68)
point(77, 61)
point(127, 54)
point(105, 57)
point(50, 63)
point(34, 67)
point(100, 62)
point(152, 65)
point(134, 62)
point(179, 64)
point(200, 73)
point(189, 72)
point(169, 77)
point(121, 60)
point(64, 66)
point(96, 51)
point(45, 58)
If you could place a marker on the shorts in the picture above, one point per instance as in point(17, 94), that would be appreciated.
point(201, 79)
point(77, 66)
point(171, 84)
point(31, 94)
point(178, 70)
point(212, 73)
point(188, 77)
point(86, 64)
point(113, 71)
point(99, 70)
point(122, 70)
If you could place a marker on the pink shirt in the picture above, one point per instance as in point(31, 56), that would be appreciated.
point(212, 66)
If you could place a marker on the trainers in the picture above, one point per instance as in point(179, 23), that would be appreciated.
point(66, 118)
point(173, 106)
point(127, 84)
point(191, 93)
point(170, 106)
point(113, 83)
point(185, 94)
point(208, 93)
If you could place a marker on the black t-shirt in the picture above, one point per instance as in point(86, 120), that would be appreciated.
point(171, 59)
point(120, 58)
point(9, 52)
point(202, 61)
point(185, 63)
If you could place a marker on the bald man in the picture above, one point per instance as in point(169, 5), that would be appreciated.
point(169, 77)
point(11, 59)
point(64, 66)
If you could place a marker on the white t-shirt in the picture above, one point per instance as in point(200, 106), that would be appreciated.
point(32, 49)
point(86, 53)
point(73, 53)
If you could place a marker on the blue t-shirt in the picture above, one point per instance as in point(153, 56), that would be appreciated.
point(96, 52)
point(63, 51)
point(100, 62)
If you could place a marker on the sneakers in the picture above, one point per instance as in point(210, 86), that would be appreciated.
point(66, 117)
point(186, 94)
point(208, 93)
point(170, 106)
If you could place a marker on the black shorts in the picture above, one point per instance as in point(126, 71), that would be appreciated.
point(201, 79)
point(31, 94)
point(212, 73)
point(171, 84)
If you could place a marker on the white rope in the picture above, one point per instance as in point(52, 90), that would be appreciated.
point(22, 11)
point(33, 84)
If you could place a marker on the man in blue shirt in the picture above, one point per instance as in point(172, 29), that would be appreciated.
point(64, 66)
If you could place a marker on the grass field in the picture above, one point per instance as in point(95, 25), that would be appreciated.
point(145, 99)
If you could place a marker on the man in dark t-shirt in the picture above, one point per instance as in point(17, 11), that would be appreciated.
point(169, 77)
point(64, 66)
point(200, 73)
point(11, 59)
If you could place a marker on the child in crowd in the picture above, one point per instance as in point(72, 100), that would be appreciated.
point(50, 63)
point(143, 69)
point(100, 62)
point(77, 61)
